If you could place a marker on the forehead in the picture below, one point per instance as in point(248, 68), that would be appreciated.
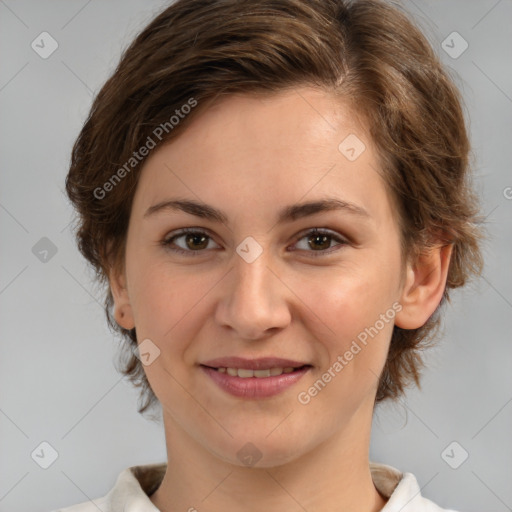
point(256, 151)
point(297, 119)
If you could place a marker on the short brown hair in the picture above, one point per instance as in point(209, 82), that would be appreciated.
point(367, 52)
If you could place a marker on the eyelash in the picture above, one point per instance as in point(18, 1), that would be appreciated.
point(312, 232)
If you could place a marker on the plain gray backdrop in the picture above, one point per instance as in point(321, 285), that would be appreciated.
point(58, 383)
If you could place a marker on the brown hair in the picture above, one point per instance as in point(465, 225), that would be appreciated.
point(367, 52)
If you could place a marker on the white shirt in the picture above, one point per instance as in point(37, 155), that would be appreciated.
point(135, 484)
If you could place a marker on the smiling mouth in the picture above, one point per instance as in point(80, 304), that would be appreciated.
point(246, 373)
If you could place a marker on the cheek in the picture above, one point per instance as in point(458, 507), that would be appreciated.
point(357, 308)
point(160, 298)
point(354, 346)
point(166, 308)
point(352, 300)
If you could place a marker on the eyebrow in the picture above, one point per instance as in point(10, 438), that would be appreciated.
point(287, 214)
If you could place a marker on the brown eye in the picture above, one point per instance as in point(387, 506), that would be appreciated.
point(194, 242)
point(319, 241)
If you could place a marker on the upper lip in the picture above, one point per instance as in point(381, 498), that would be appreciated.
point(253, 364)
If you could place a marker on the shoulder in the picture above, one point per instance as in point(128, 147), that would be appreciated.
point(402, 491)
point(409, 493)
point(130, 492)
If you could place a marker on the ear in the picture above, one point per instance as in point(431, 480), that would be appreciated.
point(123, 313)
point(424, 286)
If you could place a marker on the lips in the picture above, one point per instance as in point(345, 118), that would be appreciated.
point(253, 387)
point(245, 373)
point(264, 363)
point(254, 378)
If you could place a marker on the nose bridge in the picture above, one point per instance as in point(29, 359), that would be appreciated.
point(254, 301)
point(252, 279)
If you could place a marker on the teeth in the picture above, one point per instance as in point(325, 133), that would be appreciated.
point(245, 373)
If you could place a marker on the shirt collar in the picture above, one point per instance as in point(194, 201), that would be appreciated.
point(135, 484)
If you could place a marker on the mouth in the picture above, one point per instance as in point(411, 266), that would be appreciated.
point(254, 379)
point(246, 373)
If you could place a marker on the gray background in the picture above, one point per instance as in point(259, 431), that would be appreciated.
point(58, 382)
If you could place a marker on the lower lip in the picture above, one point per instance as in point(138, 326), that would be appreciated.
point(255, 387)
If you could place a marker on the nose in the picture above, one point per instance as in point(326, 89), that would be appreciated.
point(255, 300)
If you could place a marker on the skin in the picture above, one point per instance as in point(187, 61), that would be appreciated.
point(251, 156)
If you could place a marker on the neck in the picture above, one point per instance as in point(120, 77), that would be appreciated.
point(333, 476)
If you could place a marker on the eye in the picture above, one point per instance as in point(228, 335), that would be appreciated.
point(321, 239)
point(195, 240)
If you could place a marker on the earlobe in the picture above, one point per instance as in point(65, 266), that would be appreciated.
point(424, 286)
point(123, 313)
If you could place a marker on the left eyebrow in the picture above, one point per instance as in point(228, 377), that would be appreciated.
point(287, 214)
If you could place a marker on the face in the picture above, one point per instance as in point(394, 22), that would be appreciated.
point(255, 286)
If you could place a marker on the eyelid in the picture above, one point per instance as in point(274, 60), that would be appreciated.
point(334, 235)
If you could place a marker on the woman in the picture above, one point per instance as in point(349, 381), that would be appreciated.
point(275, 194)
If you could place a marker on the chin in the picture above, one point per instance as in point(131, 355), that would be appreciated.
point(258, 451)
